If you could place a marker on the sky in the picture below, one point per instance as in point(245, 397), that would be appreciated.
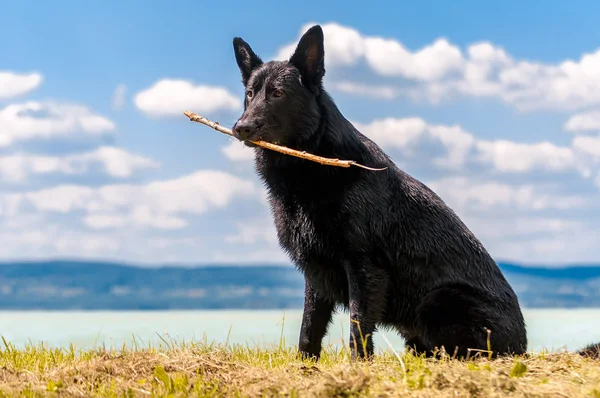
point(496, 107)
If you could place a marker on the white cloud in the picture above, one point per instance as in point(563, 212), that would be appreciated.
point(457, 142)
point(509, 156)
point(389, 57)
point(364, 90)
point(588, 145)
point(441, 69)
point(491, 227)
point(44, 120)
point(158, 204)
point(587, 150)
point(52, 240)
point(169, 97)
point(255, 231)
point(587, 121)
point(345, 46)
point(462, 193)
point(554, 249)
point(118, 100)
point(42, 238)
point(36, 235)
point(412, 136)
point(528, 85)
point(394, 133)
point(543, 240)
point(138, 216)
point(13, 84)
point(115, 161)
point(236, 151)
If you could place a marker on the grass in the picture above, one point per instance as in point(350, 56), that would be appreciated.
point(203, 369)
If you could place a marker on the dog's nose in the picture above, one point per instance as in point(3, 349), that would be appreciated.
point(246, 129)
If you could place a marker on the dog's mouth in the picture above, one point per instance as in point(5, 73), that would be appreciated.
point(255, 137)
point(260, 136)
point(251, 145)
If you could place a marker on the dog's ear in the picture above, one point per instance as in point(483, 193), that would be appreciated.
point(309, 56)
point(246, 59)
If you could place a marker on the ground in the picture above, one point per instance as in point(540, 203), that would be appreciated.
point(200, 369)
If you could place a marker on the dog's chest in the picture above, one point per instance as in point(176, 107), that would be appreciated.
point(308, 231)
point(307, 201)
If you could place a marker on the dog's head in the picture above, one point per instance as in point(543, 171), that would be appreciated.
point(280, 104)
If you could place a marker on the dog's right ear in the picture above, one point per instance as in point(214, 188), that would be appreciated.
point(246, 59)
point(309, 56)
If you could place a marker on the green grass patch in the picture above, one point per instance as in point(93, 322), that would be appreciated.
point(201, 369)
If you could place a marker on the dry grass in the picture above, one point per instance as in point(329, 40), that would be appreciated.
point(201, 369)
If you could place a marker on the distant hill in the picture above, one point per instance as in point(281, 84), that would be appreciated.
point(54, 285)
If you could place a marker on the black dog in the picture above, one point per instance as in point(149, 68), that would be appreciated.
point(380, 243)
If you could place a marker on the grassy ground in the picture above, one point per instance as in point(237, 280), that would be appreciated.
point(186, 369)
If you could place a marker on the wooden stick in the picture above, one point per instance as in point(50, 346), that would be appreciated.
point(278, 148)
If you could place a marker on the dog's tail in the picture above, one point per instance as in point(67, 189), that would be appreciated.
point(591, 351)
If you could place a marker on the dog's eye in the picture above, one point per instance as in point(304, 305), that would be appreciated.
point(277, 93)
point(249, 93)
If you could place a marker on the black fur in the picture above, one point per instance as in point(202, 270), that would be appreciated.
point(379, 243)
point(591, 351)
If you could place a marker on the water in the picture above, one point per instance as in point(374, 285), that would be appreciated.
point(552, 329)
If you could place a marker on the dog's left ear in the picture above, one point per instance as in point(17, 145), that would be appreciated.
point(246, 59)
point(309, 56)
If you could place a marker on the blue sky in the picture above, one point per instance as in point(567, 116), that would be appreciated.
point(496, 107)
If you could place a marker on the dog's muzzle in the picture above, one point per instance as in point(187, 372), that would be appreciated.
point(246, 129)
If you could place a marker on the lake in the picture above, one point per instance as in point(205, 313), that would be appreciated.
point(551, 329)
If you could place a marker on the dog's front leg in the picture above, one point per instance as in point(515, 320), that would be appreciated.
point(317, 314)
point(367, 287)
